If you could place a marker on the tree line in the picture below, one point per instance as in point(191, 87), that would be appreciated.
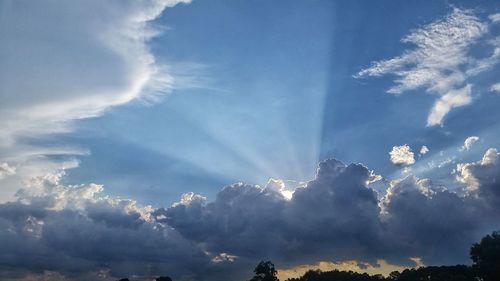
point(485, 266)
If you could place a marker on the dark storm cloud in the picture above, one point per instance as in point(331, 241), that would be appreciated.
point(334, 212)
point(75, 230)
point(428, 221)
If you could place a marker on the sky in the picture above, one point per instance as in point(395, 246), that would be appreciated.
point(195, 138)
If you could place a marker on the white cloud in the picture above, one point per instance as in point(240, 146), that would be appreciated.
point(495, 88)
point(494, 17)
point(440, 62)
point(424, 149)
point(6, 170)
point(63, 61)
point(469, 142)
point(482, 177)
point(452, 99)
point(402, 155)
point(94, 55)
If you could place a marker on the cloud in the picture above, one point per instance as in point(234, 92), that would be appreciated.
point(469, 142)
point(402, 155)
point(6, 170)
point(440, 62)
point(66, 61)
point(495, 88)
point(93, 55)
point(418, 215)
point(80, 232)
point(254, 222)
point(482, 178)
point(452, 99)
point(336, 216)
point(494, 17)
point(424, 150)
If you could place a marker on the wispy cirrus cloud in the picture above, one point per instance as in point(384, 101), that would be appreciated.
point(440, 61)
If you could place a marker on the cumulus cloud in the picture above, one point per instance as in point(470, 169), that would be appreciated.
point(253, 221)
point(325, 220)
point(414, 205)
point(482, 177)
point(440, 61)
point(335, 216)
point(468, 143)
point(402, 155)
point(424, 150)
point(80, 232)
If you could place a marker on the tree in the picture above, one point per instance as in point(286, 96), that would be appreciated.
point(486, 256)
point(395, 275)
point(163, 278)
point(265, 271)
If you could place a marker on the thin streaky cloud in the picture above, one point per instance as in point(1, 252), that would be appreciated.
point(440, 62)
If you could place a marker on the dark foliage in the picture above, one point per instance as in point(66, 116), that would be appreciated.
point(163, 278)
point(486, 257)
point(265, 271)
point(486, 267)
point(316, 275)
point(435, 273)
point(430, 273)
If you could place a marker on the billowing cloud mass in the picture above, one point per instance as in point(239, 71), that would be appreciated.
point(83, 235)
point(440, 62)
point(482, 177)
point(469, 142)
point(402, 155)
point(63, 61)
point(336, 216)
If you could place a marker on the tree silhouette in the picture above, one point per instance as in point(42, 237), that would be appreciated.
point(163, 278)
point(265, 271)
point(486, 256)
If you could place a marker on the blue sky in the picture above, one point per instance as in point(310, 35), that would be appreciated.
point(269, 98)
point(201, 130)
